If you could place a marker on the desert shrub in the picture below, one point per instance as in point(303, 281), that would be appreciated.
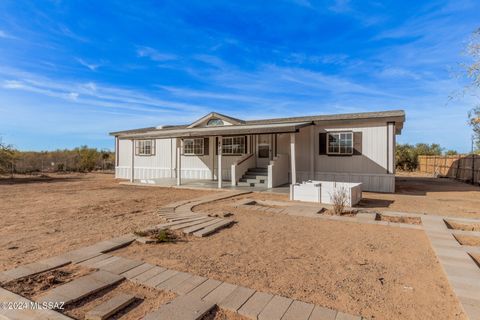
point(339, 200)
point(407, 154)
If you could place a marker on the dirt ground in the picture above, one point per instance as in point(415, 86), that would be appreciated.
point(422, 194)
point(43, 217)
point(374, 271)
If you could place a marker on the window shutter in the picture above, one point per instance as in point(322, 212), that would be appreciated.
point(357, 143)
point(154, 142)
point(245, 147)
point(206, 145)
point(322, 143)
point(137, 147)
point(216, 146)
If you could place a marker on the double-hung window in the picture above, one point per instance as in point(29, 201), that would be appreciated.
point(145, 147)
point(233, 145)
point(340, 143)
point(193, 147)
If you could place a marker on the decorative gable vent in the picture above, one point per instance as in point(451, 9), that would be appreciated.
point(215, 122)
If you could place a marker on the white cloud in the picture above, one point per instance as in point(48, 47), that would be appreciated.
point(154, 54)
point(91, 66)
point(340, 6)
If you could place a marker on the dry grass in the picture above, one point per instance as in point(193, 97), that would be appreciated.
point(398, 219)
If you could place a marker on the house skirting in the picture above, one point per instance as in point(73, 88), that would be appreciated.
point(370, 182)
point(142, 173)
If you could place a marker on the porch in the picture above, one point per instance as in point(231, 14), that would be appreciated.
point(207, 184)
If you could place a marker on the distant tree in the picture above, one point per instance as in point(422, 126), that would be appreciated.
point(473, 73)
point(7, 154)
point(451, 153)
point(407, 154)
point(87, 158)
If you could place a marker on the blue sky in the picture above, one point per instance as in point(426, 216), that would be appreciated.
point(72, 71)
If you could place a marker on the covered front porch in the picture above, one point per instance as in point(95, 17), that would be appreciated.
point(208, 184)
point(255, 157)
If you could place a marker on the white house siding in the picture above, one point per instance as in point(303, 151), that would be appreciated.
point(163, 163)
point(370, 168)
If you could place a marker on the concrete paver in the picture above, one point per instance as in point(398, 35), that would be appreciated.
point(121, 266)
point(182, 308)
point(143, 277)
point(174, 281)
point(189, 284)
point(197, 227)
point(220, 292)
point(110, 307)
point(252, 308)
point(275, 309)
point(205, 288)
point(321, 313)
point(213, 228)
point(161, 277)
point(298, 311)
point(137, 270)
point(236, 299)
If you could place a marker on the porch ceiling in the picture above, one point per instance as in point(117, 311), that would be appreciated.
point(221, 131)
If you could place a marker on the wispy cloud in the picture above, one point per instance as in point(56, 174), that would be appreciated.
point(91, 66)
point(340, 6)
point(5, 35)
point(154, 54)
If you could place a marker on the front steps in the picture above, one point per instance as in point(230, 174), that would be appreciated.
point(254, 177)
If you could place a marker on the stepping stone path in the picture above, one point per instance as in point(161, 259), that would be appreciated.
point(33, 269)
point(110, 307)
point(182, 308)
point(7, 297)
point(180, 216)
point(196, 295)
point(462, 272)
point(80, 288)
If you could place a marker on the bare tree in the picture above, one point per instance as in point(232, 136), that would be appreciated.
point(473, 74)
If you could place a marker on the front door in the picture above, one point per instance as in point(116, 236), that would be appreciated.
point(263, 150)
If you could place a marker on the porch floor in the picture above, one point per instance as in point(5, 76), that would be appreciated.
point(209, 184)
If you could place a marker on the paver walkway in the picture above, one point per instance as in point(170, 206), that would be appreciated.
point(180, 216)
point(462, 272)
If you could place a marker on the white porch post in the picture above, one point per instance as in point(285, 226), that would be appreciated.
point(132, 173)
point(179, 162)
point(293, 168)
point(219, 175)
point(312, 153)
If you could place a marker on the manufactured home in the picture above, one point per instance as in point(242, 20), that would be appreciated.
point(266, 153)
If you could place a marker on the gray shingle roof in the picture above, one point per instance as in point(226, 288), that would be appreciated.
point(398, 116)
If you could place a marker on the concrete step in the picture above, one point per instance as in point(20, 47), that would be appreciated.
point(251, 184)
point(255, 176)
point(255, 179)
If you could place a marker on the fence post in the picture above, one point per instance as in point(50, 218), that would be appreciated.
point(473, 168)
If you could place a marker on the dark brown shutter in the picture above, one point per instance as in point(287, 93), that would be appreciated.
point(357, 143)
point(245, 141)
point(322, 143)
point(216, 146)
point(206, 146)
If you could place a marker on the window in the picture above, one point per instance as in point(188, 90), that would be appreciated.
point(145, 147)
point(233, 145)
point(340, 143)
point(193, 147)
point(214, 122)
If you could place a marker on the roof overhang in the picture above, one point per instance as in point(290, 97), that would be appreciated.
point(220, 131)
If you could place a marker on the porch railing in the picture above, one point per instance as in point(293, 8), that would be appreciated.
point(241, 166)
point(278, 171)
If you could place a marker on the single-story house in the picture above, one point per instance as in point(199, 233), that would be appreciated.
point(356, 147)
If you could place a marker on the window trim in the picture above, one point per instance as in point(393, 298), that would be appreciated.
point(138, 148)
point(234, 154)
point(193, 153)
point(339, 153)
